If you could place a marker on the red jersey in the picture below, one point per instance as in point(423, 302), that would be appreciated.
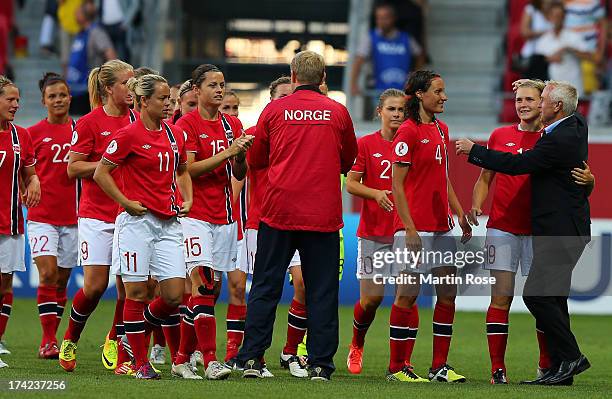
point(256, 183)
point(305, 140)
point(424, 147)
point(511, 207)
point(149, 161)
point(212, 191)
point(58, 201)
point(91, 137)
point(374, 164)
point(16, 152)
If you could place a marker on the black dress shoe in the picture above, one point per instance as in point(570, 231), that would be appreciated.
point(568, 369)
point(547, 374)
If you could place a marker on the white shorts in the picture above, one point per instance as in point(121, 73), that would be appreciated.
point(504, 251)
point(250, 236)
point(210, 245)
point(370, 260)
point(59, 241)
point(435, 253)
point(241, 256)
point(12, 253)
point(147, 245)
point(95, 242)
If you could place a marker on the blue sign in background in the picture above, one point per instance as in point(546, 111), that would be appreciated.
point(26, 282)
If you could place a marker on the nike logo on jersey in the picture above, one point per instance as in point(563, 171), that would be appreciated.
point(510, 144)
point(47, 139)
point(146, 146)
point(425, 141)
point(105, 133)
point(377, 155)
point(203, 136)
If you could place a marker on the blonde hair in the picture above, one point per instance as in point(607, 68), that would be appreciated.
point(309, 67)
point(532, 84)
point(231, 93)
point(564, 92)
point(144, 86)
point(4, 81)
point(185, 88)
point(104, 76)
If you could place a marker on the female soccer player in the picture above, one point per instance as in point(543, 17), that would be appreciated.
point(215, 155)
point(231, 103)
point(52, 226)
point(19, 184)
point(148, 238)
point(424, 197)
point(187, 101)
point(370, 179)
point(509, 224)
point(110, 102)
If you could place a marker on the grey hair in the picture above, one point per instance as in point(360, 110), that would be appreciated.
point(144, 86)
point(563, 92)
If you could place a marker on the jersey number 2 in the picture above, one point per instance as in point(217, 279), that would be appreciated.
point(387, 165)
point(58, 149)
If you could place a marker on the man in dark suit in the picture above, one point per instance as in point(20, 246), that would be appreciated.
point(560, 221)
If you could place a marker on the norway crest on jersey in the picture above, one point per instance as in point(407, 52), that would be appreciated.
point(174, 147)
point(16, 149)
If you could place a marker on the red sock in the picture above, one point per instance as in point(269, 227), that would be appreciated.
point(5, 311)
point(158, 336)
point(205, 326)
point(61, 304)
point(497, 337)
point(361, 323)
point(117, 319)
point(189, 340)
point(403, 328)
point(172, 333)
point(81, 309)
point(236, 314)
point(47, 312)
point(123, 355)
point(442, 333)
point(545, 362)
point(134, 322)
point(296, 327)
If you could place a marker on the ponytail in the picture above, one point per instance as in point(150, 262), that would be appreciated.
point(93, 86)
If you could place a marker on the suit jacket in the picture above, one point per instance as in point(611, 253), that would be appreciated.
point(560, 207)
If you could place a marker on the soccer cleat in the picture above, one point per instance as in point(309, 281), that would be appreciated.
point(234, 364)
point(318, 373)
point(197, 358)
point(126, 368)
point(265, 373)
point(147, 372)
point(445, 373)
point(48, 351)
point(109, 353)
point(541, 372)
point(252, 369)
point(3, 349)
point(2, 364)
point(67, 355)
point(499, 377)
point(354, 361)
point(158, 354)
point(216, 371)
point(294, 364)
point(406, 374)
point(185, 371)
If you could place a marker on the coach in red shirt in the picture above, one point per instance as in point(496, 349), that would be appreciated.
point(305, 141)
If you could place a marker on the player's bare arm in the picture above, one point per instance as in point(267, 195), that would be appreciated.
point(479, 195)
point(102, 176)
point(400, 173)
point(79, 167)
point(31, 194)
point(183, 179)
point(198, 168)
point(455, 206)
point(355, 187)
point(237, 186)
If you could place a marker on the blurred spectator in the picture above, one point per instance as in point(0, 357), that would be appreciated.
point(116, 17)
point(563, 49)
point(66, 15)
point(47, 27)
point(588, 19)
point(91, 47)
point(411, 18)
point(534, 23)
point(393, 53)
point(6, 25)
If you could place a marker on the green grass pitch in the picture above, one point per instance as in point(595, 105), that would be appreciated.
point(468, 355)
